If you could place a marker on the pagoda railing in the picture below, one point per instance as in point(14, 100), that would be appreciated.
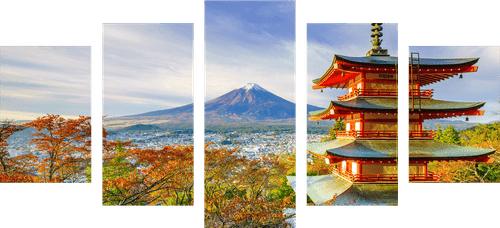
point(376, 177)
point(365, 177)
point(425, 134)
point(343, 173)
point(422, 93)
point(384, 93)
point(366, 134)
point(428, 177)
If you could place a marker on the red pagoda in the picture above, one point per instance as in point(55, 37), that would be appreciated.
point(364, 155)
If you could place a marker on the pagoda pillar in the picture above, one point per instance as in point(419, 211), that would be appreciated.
point(363, 77)
point(362, 121)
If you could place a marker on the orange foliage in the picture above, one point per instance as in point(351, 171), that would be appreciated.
point(147, 176)
point(238, 191)
point(18, 178)
point(456, 171)
point(64, 146)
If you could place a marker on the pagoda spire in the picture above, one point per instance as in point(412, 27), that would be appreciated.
point(376, 42)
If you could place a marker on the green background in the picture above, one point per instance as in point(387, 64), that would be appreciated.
point(78, 23)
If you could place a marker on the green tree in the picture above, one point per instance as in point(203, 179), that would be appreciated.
point(451, 136)
point(485, 136)
point(481, 136)
point(438, 133)
point(339, 125)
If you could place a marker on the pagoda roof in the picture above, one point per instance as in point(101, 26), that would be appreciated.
point(324, 187)
point(379, 61)
point(424, 149)
point(391, 61)
point(432, 70)
point(388, 149)
point(428, 62)
point(391, 105)
point(342, 69)
point(435, 70)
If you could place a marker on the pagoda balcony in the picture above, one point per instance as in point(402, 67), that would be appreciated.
point(422, 93)
point(365, 178)
point(391, 93)
point(426, 177)
point(375, 178)
point(425, 134)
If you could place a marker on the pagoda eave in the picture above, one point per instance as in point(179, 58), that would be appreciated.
point(336, 110)
point(361, 160)
point(420, 151)
point(484, 159)
point(441, 115)
point(424, 71)
point(432, 75)
point(344, 69)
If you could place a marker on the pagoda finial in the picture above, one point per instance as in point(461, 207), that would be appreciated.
point(376, 42)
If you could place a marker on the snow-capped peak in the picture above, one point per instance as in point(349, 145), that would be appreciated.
point(254, 86)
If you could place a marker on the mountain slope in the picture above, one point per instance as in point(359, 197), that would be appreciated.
point(250, 103)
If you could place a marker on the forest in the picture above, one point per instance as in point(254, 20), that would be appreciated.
point(238, 191)
point(480, 136)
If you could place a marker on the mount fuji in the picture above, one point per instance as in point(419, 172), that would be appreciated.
point(247, 104)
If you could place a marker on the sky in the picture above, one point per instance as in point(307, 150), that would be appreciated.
point(146, 67)
point(480, 86)
point(35, 81)
point(326, 40)
point(250, 42)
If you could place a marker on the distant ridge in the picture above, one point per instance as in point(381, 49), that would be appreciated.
point(457, 124)
point(141, 127)
point(250, 103)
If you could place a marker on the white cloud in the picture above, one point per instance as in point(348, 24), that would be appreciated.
point(54, 78)
point(15, 115)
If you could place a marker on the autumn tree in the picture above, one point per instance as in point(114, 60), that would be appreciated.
point(485, 136)
point(17, 178)
point(18, 168)
point(6, 130)
point(318, 167)
point(241, 192)
point(147, 176)
point(481, 136)
point(65, 147)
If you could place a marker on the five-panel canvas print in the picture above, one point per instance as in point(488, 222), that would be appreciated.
point(354, 97)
